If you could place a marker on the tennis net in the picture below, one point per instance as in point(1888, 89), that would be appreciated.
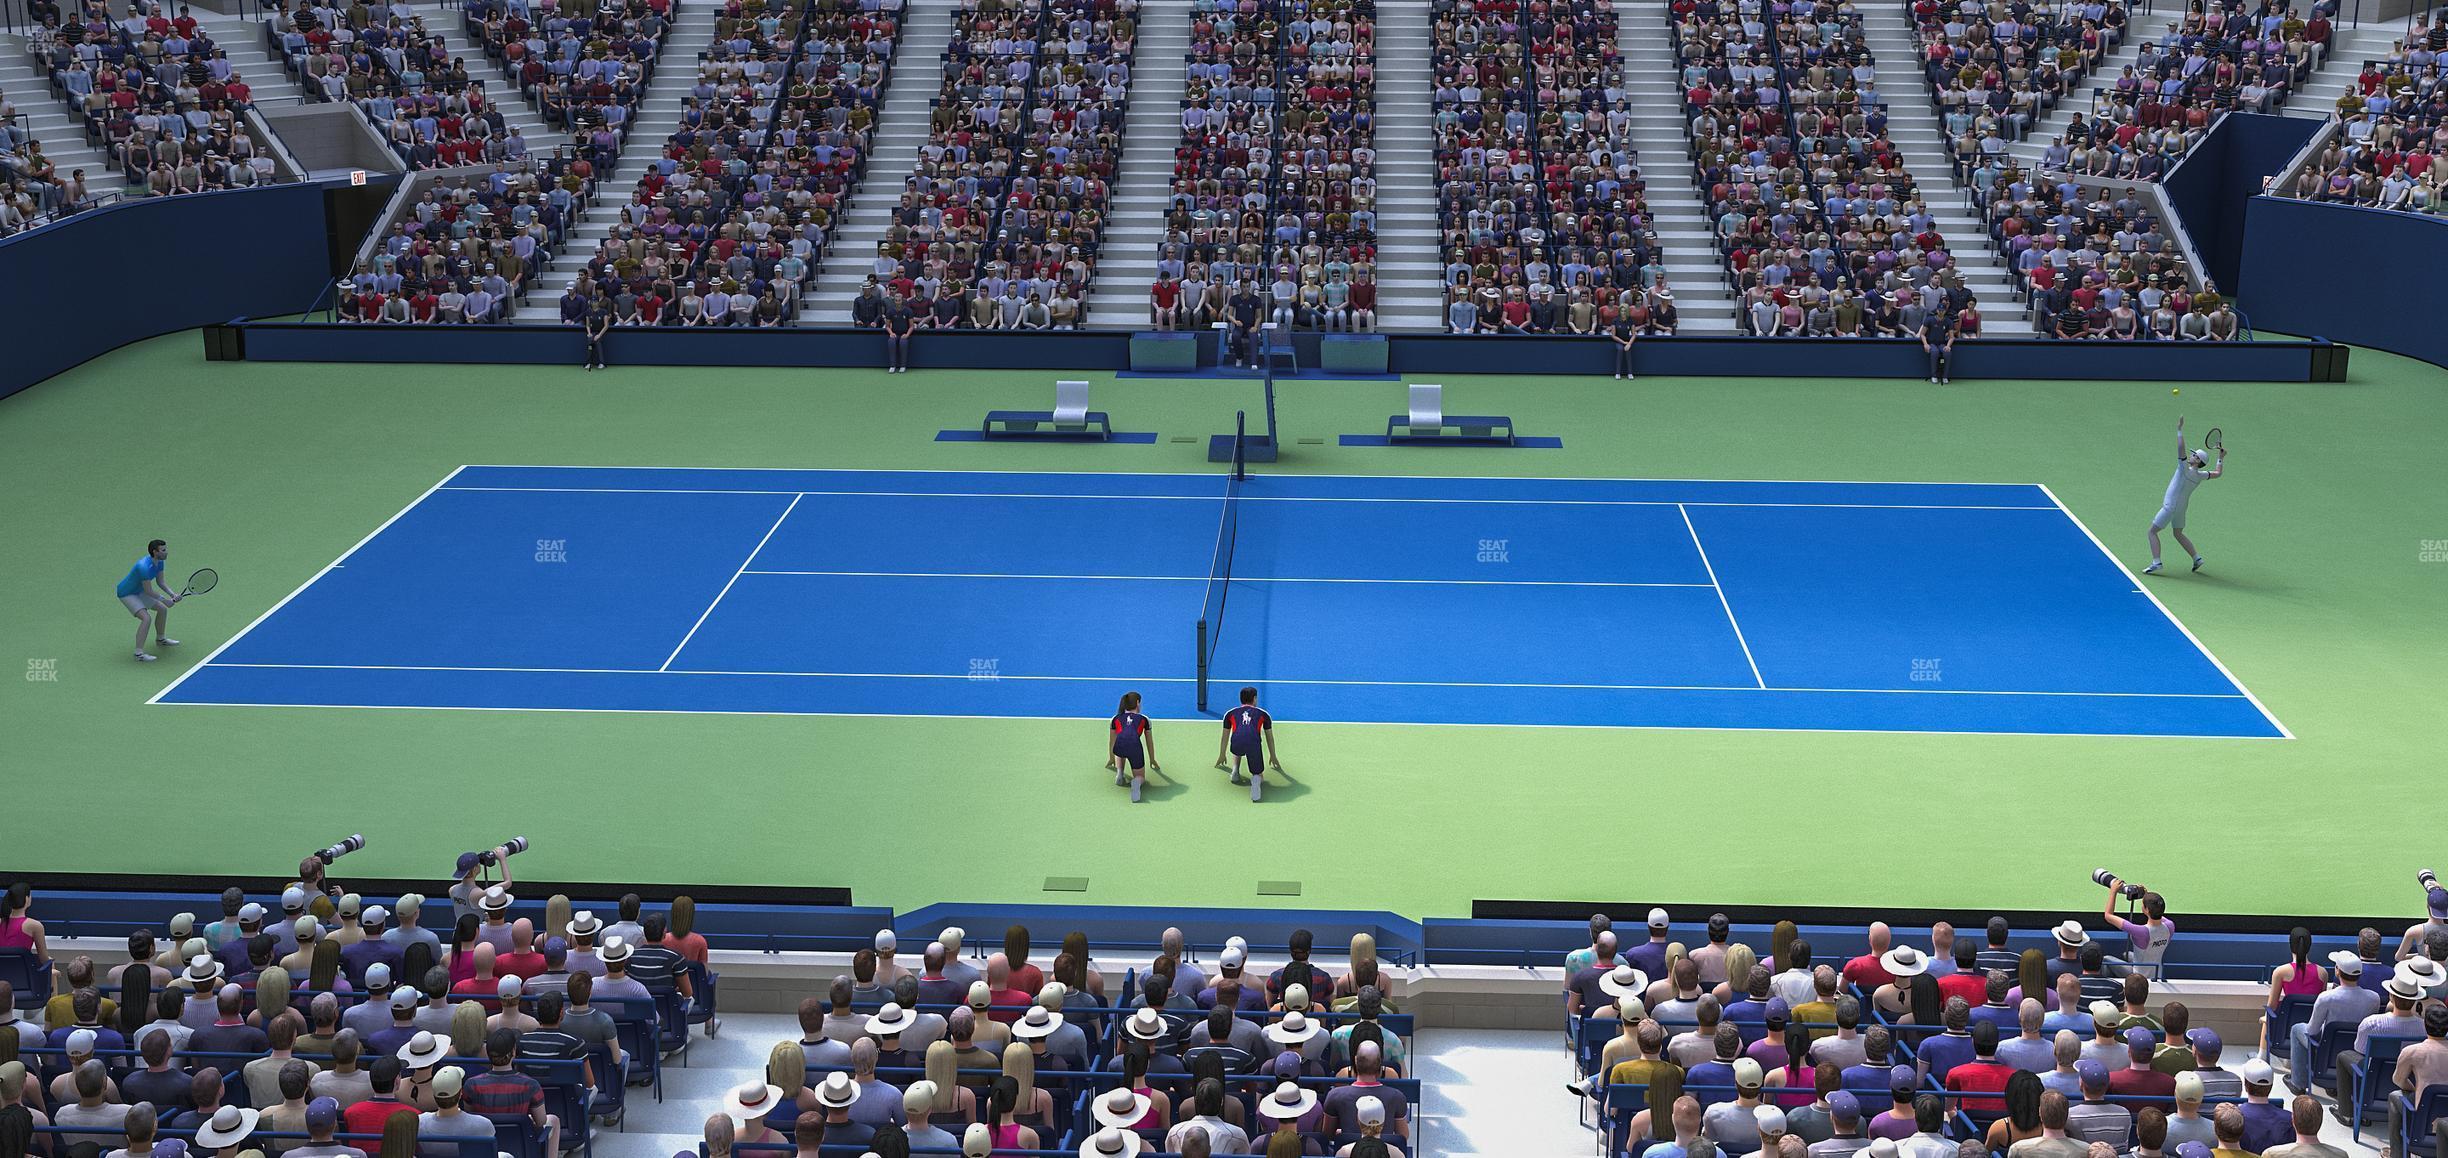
point(1219, 571)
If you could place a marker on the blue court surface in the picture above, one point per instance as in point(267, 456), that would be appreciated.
point(1883, 607)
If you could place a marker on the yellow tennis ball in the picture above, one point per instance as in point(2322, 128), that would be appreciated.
point(2175, 390)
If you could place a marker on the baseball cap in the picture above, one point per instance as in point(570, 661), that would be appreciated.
point(322, 1114)
point(2092, 1073)
point(2105, 1013)
point(1900, 1079)
point(251, 913)
point(448, 1081)
point(2204, 1041)
point(886, 942)
point(2346, 963)
point(468, 860)
point(2257, 1072)
point(1843, 1106)
point(2193, 1150)
point(1232, 960)
point(1747, 1073)
point(404, 997)
point(378, 975)
point(81, 1041)
point(293, 898)
point(1657, 918)
point(2139, 1038)
point(2188, 1087)
point(1771, 1119)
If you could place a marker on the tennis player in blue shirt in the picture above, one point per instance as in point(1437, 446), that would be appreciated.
point(1133, 741)
point(1245, 728)
point(147, 598)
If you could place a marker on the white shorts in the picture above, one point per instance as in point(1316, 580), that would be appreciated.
point(2168, 517)
point(142, 602)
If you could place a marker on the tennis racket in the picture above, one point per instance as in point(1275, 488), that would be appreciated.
point(205, 579)
point(2211, 442)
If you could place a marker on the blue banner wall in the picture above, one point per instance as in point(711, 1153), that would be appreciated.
point(2209, 189)
point(2347, 273)
point(82, 287)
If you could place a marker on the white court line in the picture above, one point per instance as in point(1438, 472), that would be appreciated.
point(1204, 578)
point(726, 587)
point(1721, 596)
point(1212, 474)
point(898, 675)
point(2147, 593)
point(1209, 721)
point(328, 568)
point(1250, 498)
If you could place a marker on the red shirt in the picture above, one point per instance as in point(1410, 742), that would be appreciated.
point(2131, 1082)
point(1982, 1077)
point(1015, 997)
point(1972, 987)
point(367, 1117)
point(1166, 293)
point(487, 991)
point(520, 965)
point(1866, 972)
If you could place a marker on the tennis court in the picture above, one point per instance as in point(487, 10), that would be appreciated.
point(1574, 602)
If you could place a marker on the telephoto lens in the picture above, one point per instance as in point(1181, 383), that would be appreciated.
point(2101, 877)
point(334, 852)
point(2429, 879)
point(514, 846)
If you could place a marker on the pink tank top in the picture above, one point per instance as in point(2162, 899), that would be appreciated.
point(13, 934)
point(1007, 1136)
point(2306, 981)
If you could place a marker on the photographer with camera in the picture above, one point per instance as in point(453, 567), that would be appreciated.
point(472, 878)
point(2435, 923)
point(311, 871)
point(2149, 936)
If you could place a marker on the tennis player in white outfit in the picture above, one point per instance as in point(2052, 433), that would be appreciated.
point(2193, 468)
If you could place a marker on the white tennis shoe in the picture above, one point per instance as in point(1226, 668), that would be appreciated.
point(2153, 569)
point(146, 657)
point(174, 643)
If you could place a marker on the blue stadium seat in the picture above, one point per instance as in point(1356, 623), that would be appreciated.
point(2371, 1077)
point(2415, 1118)
point(28, 975)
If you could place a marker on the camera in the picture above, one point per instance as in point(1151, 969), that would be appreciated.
point(511, 847)
point(2429, 879)
point(353, 843)
point(2101, 877)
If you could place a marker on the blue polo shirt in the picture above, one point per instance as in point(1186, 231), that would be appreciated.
point(147, 568)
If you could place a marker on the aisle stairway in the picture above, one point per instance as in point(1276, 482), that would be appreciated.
point(901, 127)
point(1703, 297)
point(658, 112)
point(1410, 273)
point(1134, 219)
point(1921, 141)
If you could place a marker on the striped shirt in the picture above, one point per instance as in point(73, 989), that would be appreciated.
point(656, 968)
point(501, 1093)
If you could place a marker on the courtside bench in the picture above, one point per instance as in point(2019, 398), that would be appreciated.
point(1070, 418)
point(1428, 422)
